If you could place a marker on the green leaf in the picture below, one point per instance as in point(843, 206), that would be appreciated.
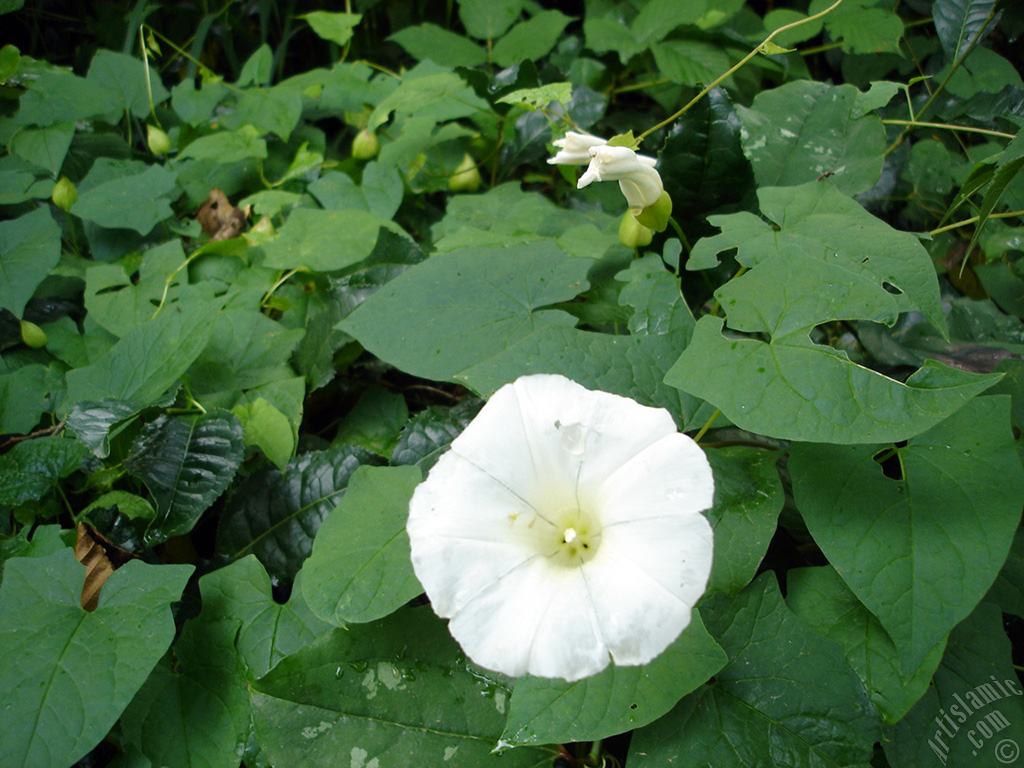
point(429, 433)
point(149, 358)
point(862, 28)
point(488, 19)
point(819, 597)
point(32, 468)
point(815, 221)
point(1008, 589)
point(360, 569)
point(974, 707)
point(537, 98)
point(617, 699)
point(690, 62)
point(128, 504)
point(380, 191)
point(270, 110)
point(894, 540)
point(457, 309)
point(653, 293)
point(532, 39)
point(269, 631)
point(30, 245)
point(194, 708)
point(335, 27)
point(797, 390)
point(798, 131)
point(59, 97)
point(46, 540)
point(325, 241)
point(268, 429)
point(702, 163)
point(66, 674)
point(258, 68)
point(633, 366)
point(786, 697)
point(45, 147)
point(1008, 168)
point(748, 499)
point(126, 76)
point(959, 23)
point(227, 146)
point(21, 181)
point(92, 421)
point(25, 395)
point(398, 691)
point(187, 462)
point(374, 421)
point(429, 41)
point(131, 200)
point(431, 96)
point(275, 514)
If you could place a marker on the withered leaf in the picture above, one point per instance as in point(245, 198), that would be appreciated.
point(100, 558)
point(220, 219)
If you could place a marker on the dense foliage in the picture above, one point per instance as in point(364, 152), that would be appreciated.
point(261, 263)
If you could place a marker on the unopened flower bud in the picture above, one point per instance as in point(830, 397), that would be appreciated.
point(64, 194)
point(33, 335)
point(158, 141)
point(365, 145)
point(466, 177)
point(632, 233)
point(656, 216)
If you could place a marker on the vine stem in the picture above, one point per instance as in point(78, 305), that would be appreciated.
point(739, 65)
point(707, 425)
point(947, 126)
point(975, 220)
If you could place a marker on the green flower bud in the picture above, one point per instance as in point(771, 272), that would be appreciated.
point(656, 216)
point(632, 233)
point(466, 177)
point(159, 142)
point(64, 194)
point(33, 335)
point(365, 145)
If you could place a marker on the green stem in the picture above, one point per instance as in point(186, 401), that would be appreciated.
point(739, 65)
point(707, 426)
point(948, 127)
point(975, 220)
point(679, 231)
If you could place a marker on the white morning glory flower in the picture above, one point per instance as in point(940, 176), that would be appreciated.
point(563, 531)
point(638, 180)
point(574, 148)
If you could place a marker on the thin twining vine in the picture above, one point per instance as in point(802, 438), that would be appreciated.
point(766, 46)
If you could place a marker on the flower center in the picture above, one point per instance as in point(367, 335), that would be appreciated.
point(572, 539)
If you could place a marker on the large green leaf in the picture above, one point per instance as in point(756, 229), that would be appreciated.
point(27, 393)
point(617, 699)
point(29, 249)
point(44, 147)
point(66, 674)
point(429, 41)
point(57, 97)
point(919, 551)
point(488, 19)
point(531, 39)
point(187, 462)
point(268, 631)
point(959, 23)
point(379, 191)
point(324, 241)
point(633, 366)
point(149, 358)
point(803, 129)
point(797, 390)
point(819, 597)
point(816, 221)
point(360, 569)
point(128, 197)
point(127, 76)
point(276, 513)
point(786, 698)
point(429, 433)
point(398, 692)
point(748, 499)
point(973, 714)
point(460, 308)
point(32, 468)
point(194, 708)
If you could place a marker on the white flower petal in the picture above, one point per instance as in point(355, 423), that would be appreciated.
point(638, 180)
point(574, 148)
point(540, 623)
